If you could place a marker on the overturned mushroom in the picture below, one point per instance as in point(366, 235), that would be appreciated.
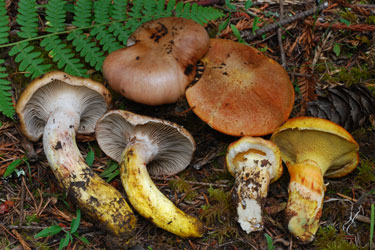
point(146, 145)
point(241, 91)
point(255, 163)
point(161, 63)
point(58, 106)
point(312, 148)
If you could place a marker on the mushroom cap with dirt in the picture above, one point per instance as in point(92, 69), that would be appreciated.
point(255, 163)
point(57, 106)
point(144, 145)
point(160, 64)
point(241, 91)
point(312, 148)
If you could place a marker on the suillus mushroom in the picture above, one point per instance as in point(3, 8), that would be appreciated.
point(241, 91)
point(255, 163)
point(144, 145)
point(159, 65)
point(312, 148)
point(57, 106)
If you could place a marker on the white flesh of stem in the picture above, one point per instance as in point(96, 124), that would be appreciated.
point(251, 187)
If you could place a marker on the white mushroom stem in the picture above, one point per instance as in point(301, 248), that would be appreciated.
point(146, 198)
point(251, 188)
point(98, 199)
point(305, 202)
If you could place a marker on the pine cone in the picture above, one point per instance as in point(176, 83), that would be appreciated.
point(352, 107)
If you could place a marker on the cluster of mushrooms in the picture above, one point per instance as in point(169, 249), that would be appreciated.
point(240, 93)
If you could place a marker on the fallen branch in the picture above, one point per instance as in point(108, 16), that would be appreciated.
point(354, 27)
point(250, 35)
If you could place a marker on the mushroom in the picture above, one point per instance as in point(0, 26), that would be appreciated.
point(160, 64)
point(255, 163)
point(58, 106)
point(241, 91)
point(144, 145)
point(312, 148)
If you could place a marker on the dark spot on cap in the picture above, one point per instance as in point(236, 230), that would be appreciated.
point(137, 58)
point(71, 126)
point(58, 146)
point(225, 73)
point(189, 69)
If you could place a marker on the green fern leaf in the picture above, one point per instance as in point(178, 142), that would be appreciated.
point(82, 43)
point(88, 49)
point(58, 50)
point(63, 56)
point(55, 15)
point(6, 104)
point(27, 18)
point(105, 37)
point(4, 24)
point(82, 13)
point(119, 14)
point(31, 63)
point(30, 60)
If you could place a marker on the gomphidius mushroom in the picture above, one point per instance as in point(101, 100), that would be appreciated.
point(144, 145)
point(57, 106)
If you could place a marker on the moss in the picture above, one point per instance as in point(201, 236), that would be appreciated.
point(349, 15)
point(370, 20)
point(327, 238)
point(365, 174)
point(182, 186)
point(221, 208)
point(353, 75)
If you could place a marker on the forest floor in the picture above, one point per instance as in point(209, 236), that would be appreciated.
point(335, 46)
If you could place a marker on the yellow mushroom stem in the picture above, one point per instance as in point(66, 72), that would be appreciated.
point(146, 197)
point(98, 199)
point(306, 194)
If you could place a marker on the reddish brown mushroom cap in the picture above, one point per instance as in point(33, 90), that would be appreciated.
point(160, 65)
point(241, 92)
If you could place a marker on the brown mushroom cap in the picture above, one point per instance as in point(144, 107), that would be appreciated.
point(56, 88)
point(160, 65)
point(241, 91)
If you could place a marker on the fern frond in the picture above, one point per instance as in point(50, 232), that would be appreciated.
point(58, 50)
point(197, 12)
point(27, 18)
point(104, 36)
point(4, 24)
point(88, 49)
point(30, 62)
point(6, 104)
point(119, 14)
point(55, 15)
point(82, 13)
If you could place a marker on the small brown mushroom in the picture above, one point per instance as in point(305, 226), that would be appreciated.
point(160, 65)
point(241, 91)
point(57, 106)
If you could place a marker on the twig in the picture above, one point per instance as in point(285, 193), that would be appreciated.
point(279, 36)
point(191, 182)
point(354, 27)
point(23, 243)
point(21, 202)
point(249, 35)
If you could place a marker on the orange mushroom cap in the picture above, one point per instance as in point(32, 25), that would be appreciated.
point(241, 91)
